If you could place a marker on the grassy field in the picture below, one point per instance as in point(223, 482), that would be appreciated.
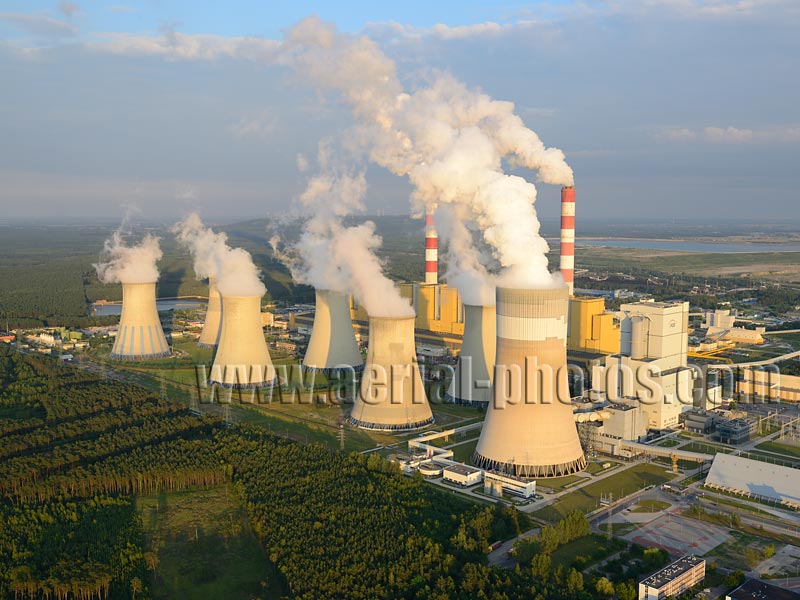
point(592, 547)
point(593, 468)
point(205, 548)
point(557, 484)
point(620, 484)
point(463, 452)
point(778, 448)
point(648, 506)
point(705, 448)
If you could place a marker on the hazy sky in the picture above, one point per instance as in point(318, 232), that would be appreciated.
point(664, 108)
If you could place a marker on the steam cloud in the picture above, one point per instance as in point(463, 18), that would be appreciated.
point(449, 141)
point(330, 255)
point(233, 268)
point(121, 262)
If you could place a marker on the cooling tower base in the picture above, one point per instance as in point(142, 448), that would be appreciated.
point(390, 428)
point(333, 371)
point(450, 399)
point(245, 386)
point(529, 471)
point(140, 357)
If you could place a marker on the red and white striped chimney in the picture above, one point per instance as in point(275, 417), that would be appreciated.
point(568, 236)
point(431, 251)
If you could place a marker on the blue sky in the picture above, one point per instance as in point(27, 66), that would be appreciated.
point(664, 108)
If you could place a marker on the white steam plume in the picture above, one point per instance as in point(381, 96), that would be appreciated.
point(330, 255)
point(233, 268)
point(449, 141)
point(122, 262)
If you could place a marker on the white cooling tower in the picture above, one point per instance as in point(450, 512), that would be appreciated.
point(242, 359)
point(140, 336)
point(332, 347)
point(529, 430)
point(392, 396)
point(475, 369)
point(211, 327)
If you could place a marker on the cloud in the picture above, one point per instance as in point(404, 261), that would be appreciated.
point(70, 9)
point(259, 127)
point(39, 24)
point(180, 46)
point(730, 135)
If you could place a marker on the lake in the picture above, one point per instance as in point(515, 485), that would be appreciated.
point(105, 310)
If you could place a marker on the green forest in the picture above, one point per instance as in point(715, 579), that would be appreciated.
point(79, 450)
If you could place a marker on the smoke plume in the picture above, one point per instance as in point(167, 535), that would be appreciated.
point(450, 141)
point(233, 268)
point(329, 254)
point(124, 262)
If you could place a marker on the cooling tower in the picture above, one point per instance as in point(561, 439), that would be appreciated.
point(568, 236)
point(140, 336)
point(210, 334)
point(529, 430)
point(473, 376)
point(431, 251)
point(332, 347)
point(242, 359)
point(392, 397)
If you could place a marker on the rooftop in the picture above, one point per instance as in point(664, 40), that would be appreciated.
point(760, 590)
point(671, 571)
point(462, 469)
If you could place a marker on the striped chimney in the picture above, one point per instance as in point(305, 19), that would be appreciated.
point(568, 236)
point(431, 250)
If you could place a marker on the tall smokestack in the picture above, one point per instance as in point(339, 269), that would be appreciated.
point(211, 327)
point(140, 336)
point(568, 236)
point(473, 375)
point(242, 359)
point(392, 397)
point(332, 346)
point(529, 430)
point(431, 251)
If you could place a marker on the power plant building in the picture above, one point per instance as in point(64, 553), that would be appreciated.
point(242, 359)
point(140, 336)
point(674, 579)
point(591, 328)
point(651, 367)
point(529, 430)
point(211, 326)
point(332, 347)
point(392, 396)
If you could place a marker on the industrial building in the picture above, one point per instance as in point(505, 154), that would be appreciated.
point(755, 479)
point(768, 382)
point(242, 359)
point(618, 422)
point(392, 396)
point(462, 475)
point(140, 336)
point(591, 328)
point(209, 336)
point(332, 347)
point(497, 484)
point(755, 589)
point(529, 430)
point(736, 431)
point(720, 325)
point(674, 579)
point(651, 367)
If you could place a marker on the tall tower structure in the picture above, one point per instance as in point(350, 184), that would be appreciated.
point(529, 430)
point(140, 336)
point(332, 347)
point(392, 396)
point(431, 251)
point(242, 359)
point(475, 369)
point(568, 236)
point(211, 327)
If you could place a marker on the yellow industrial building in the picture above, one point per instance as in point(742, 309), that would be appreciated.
point(591, 328)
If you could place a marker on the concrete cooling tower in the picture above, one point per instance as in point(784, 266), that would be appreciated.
point(529, 430)
point(392, 396)
point(475, 369)
point(242, 359)
point(210, 334)
point(140, 336)
point(332, 347)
